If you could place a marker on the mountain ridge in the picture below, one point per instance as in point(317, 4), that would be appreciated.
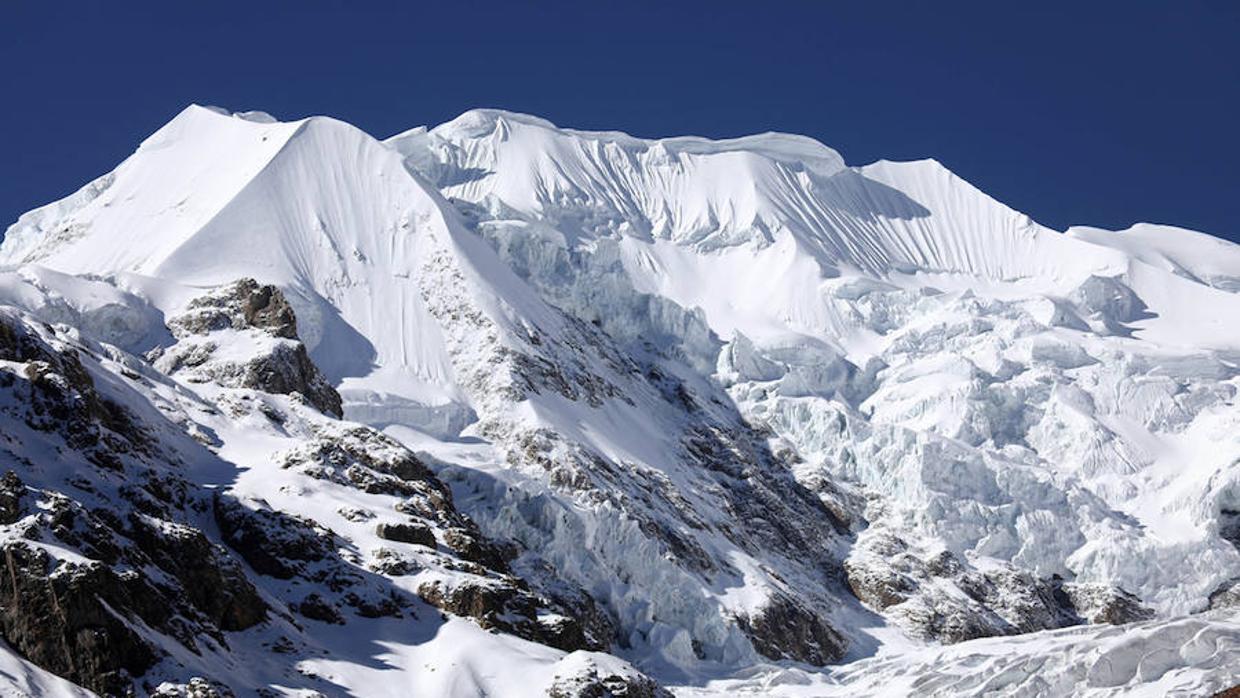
point(723, 412)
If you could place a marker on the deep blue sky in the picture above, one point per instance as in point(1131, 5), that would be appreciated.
point(1083, 112)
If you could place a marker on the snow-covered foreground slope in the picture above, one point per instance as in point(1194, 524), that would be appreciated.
point(729, 413)
point(1182, 657)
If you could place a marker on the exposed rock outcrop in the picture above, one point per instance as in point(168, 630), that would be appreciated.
point(196, 687)
point(1226, 596)
point(1097, 603)
point(502, 604)
point(272, 542)
point(55, 393)
point(12, 491)
point(241, 305)
point(100, 571)
point(77, 620)
point(264, 354)
point(361, 457)
point(783, 629)
point(940, 597)
point(213, 582)
point(85, 620)
point(582, 675)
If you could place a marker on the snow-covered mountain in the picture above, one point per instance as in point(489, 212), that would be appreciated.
point(499, 408)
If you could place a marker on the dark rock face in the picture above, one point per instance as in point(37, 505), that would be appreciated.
point(1024, 601)
point(282, 367)
point(287, 369)
point(879, 588)
point(1229, 526)
point(244, 303)
point(12, 492)
point(502, 605)
point(279, 545)
point(79, 619)
point(213, 583)
point(951, 624)
point(785, 630)
point(60, 397)
point(1102, 604)
point(266, 307)
point(406, 533)
point(315, 607)
point(272, 542)
point(469, 544)
point(57, 616)
point(363, 458)
point(135, 571)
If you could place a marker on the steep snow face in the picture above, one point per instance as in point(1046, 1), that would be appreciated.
point(22, 679)
point(133, 218)
point(681, 188)
point(716, 194)
point(727, 404)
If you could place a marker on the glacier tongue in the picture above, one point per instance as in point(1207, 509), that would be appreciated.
point(733, 406)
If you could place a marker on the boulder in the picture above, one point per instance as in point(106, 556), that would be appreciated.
point(406, 533)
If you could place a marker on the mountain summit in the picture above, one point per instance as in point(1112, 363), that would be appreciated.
point(500, 408)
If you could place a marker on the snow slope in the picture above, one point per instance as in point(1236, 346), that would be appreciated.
point(22, 679)
point(762, 407)
point(1183, 657)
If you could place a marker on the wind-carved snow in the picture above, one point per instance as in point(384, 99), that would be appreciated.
point(760, 406)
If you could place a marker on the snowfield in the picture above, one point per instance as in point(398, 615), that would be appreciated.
point(499, 408)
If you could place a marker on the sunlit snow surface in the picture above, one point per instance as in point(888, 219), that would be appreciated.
point(1062, 402)
point(1184, 657)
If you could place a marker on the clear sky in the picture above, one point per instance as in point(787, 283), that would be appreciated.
point(1100, 113)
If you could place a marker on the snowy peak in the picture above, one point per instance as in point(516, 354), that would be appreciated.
point(730, 410)
point(181, 177)
point(316, 207)
point(194, 185)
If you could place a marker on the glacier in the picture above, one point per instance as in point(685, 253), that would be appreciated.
point(713, 417)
